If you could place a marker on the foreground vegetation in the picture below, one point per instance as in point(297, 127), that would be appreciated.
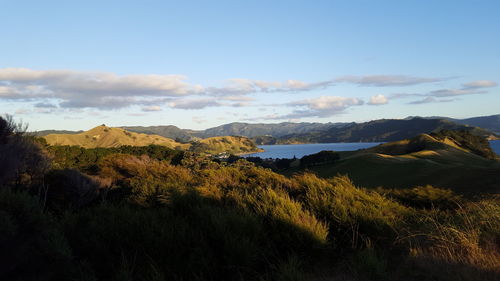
point(155, 214)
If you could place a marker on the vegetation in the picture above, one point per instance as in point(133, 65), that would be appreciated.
point(455, 160)
point(106, 137)
point(381, 131)
point(152, 213)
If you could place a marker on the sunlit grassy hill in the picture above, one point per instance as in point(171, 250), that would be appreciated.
point(103, 136)
point(437, 160)
point(229, 144)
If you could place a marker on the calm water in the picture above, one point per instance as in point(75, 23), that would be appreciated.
point(299, 150)
point(495, 145)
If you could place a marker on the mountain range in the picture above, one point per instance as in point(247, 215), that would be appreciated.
point(288, 132)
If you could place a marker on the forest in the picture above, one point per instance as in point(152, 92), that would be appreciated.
point(154, 213)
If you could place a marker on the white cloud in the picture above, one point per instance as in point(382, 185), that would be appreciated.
point(193, 103)
point(324, 106)
point(151, 108)
point(454, 92)
point(430, 100)
point(479, 84)
point(241, 86)
point(101, 90)
point(378, 100)
point(386, 80)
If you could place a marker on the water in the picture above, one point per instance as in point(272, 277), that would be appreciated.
point(495, 145)
point(299, 150)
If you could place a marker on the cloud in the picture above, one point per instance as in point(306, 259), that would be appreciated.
point(151, 108)
point(241, 86)
point(386, 80)
point(479, 84)
point(378, 100)
point(454, 92)
point(90, 89)
point(324, 106)
point(430, 100)
point(45, 105)
point(194, 103)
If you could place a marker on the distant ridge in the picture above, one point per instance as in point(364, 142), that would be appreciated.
point(382, 130)
point(288, 132)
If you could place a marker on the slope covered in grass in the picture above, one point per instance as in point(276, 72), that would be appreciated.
point(103, 136)
point(107, 137)
point(441, 159)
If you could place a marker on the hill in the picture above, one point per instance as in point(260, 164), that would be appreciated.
point(48, 132)
point(440, 160)
point(103, 136)
point(381, 131)
point(491, 122)
point(169, 131)
point(226, 144)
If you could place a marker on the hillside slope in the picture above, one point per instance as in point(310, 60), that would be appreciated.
point(228, 144)
point(426, 159)
point(381, 131)
point(103, 136)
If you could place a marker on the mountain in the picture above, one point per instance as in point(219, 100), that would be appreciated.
point(48, 132)
point(458, 161)
point(380, 131)
point(103, 136)
point(235, 129)
point(491, 122)
point(275, 130)
point(168, 131)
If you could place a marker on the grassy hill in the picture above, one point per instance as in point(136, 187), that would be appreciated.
point(229, 144)
point(437, 160)
point(103, 136)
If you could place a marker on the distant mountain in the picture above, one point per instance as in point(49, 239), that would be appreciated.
point(274, 130)
point(235, 129)
point(491, 122)
point(381, 131)
point(48, 132)
point(288, 132)
point(168, 131)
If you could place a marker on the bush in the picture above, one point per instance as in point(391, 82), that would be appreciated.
point(32, 246)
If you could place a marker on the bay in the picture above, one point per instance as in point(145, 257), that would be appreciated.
point(495, 145)
point(299, 150)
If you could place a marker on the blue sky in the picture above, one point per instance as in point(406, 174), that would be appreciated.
point(198, 64)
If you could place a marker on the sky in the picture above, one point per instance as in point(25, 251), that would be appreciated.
point(198, 64)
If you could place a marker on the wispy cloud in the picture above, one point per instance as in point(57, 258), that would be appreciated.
point(324, 106)
point(240, 86)
point(479, 84)
point(430, 100)
point(387, 80)
point(194, 103)
point(151, 108)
